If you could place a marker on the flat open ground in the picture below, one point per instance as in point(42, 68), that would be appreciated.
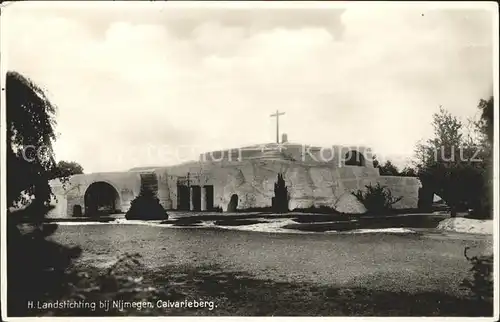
point(256, 273)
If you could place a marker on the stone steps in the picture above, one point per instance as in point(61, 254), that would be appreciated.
point(149, 180)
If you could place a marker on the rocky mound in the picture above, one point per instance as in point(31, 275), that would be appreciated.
point(465, 225)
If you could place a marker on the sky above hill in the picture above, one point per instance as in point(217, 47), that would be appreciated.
point(150, 85)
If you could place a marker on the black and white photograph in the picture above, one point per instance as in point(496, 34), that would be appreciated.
point(253, 158)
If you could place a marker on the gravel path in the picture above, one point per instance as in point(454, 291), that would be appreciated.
point(395, 262)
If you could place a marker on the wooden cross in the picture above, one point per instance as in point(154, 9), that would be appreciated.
point(277, 115)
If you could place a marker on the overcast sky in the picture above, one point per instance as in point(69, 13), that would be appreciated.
point(125, 79)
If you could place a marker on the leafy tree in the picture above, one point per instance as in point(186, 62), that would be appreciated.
point(388, 169)
point(35, 266)
point(68, 168)
point(449, 164)
point(408, 172)
point(485, 128)
point(30, 134)
point(485, 123)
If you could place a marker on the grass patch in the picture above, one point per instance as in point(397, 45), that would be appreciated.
point(413, 221)
point(187, 222)
point(397, 211)
point(322, 218)
point(256, 209)
point(81, 219)
point(244, 222)
point(231, 216)
point(324, 226)
point(317, 210)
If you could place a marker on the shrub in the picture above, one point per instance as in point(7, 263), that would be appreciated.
point(376, 199)
point(146, 206)
point(281, 197)
point(317, 210)
point(481, 284)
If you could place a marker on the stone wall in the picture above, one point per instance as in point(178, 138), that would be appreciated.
point(60, 202)
point(309, 184)
point(72, 193)
point(406, 187)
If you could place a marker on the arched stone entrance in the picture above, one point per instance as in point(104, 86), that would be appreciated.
point(101, 198)
point(233, 203)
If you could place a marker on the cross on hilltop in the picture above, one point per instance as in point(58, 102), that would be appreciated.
point(277, 115)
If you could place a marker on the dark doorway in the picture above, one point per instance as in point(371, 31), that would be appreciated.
point(101, 198)
point(196, 198)
point(354, 158)
point(233, 203)
point(209, 198)
point(77, 210)
point(183, 197)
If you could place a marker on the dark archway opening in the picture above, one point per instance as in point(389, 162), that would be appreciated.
point(183, 197)
point(233, 203)
point(101, 198)
point(354, 158)
point(77, 211)
point(196, 198)
point(209, 198)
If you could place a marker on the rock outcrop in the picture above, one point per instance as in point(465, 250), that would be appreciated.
point(308, 184)
point(310, 181)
